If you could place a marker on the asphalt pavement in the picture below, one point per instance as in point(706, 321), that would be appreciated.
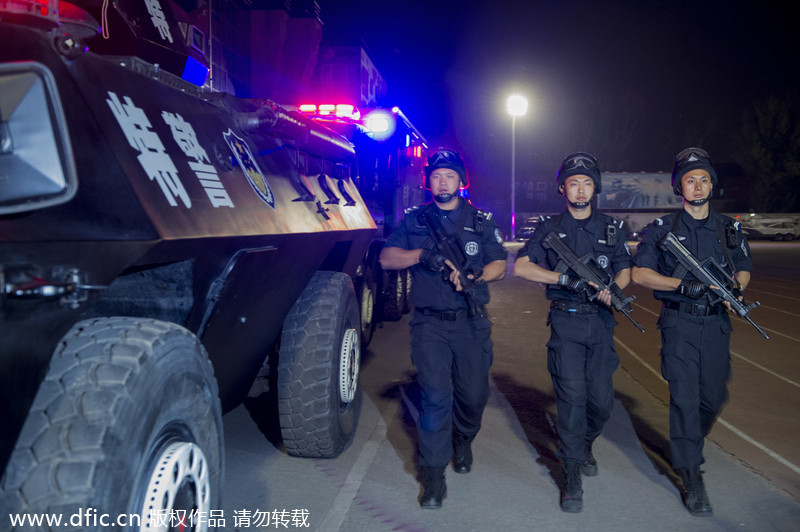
point(374, 486)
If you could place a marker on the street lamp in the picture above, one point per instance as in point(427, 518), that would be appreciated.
point(517, 106)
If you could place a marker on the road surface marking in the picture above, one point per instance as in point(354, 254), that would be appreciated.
point(334, 517)
point(759, 366)
point(724, 423)
point(773, 331)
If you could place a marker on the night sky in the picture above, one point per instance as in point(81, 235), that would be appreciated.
point(631, 81)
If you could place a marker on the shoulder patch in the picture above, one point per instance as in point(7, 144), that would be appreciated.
point(498, 236)
point(658, 221)
point(485, 214)
point(610, 220)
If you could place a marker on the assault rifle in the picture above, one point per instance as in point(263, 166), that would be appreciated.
point(450, 247)
point(711, 273)
point(588, 269)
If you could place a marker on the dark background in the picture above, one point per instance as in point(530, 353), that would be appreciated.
point(631, 82)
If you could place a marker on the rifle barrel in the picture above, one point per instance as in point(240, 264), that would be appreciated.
point(765, 335)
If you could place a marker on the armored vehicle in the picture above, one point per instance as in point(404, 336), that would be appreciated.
point(160, 242)
point(390, 153)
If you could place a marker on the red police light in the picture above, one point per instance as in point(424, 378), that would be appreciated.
point(42, 11)
point(345, 110)
point(330, 110)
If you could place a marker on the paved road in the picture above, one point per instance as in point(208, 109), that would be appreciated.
point(752, 455)
point(761, 423)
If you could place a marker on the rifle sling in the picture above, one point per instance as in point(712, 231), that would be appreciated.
point(431, 211)
point(720, 238)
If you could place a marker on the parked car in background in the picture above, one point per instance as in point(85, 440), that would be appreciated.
point(778, 229)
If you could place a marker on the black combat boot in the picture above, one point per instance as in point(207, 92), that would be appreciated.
point(462, 452)
point(589, 464)
point(435, 488)
point(694, 492)
point(572, 494)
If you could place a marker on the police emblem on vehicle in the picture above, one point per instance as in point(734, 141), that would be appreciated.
point(250, 168)
point(602, 260)
point(471, 248)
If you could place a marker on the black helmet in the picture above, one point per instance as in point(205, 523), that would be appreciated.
point(445, 158)
point(579, 163)
point(688, 160)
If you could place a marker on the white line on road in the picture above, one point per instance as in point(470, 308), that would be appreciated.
point(781, 310)
point(750, 440)
point(773, 331)
point(334, 517)
point(759, 366)
point(752, 289)
point(724, 423)
point(646, 309)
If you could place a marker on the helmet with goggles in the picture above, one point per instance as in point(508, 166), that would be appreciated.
point(445, 158)
point(688, 160)
point(579, 163)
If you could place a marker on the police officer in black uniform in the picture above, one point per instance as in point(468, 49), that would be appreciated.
point(695, 335)
point(581, 357)
point(451, 349)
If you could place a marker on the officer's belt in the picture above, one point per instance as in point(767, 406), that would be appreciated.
point(694, 310)
point(445, 315)
point(577, 308)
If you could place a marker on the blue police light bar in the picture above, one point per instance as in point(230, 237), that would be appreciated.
point(195, 72)
point(380, 124)
point(415, 136)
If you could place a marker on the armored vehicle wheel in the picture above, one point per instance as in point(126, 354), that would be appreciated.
point(318, 368)
point(367, 312)
point(393, 295)
point(407, 290)
point(126, 423)
point(367, 296)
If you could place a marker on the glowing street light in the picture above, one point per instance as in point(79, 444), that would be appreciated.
point(517, 106)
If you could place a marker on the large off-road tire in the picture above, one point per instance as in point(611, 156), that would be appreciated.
point(318, 368)
point(127, 422)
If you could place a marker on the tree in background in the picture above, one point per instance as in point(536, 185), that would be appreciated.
point(770, 154)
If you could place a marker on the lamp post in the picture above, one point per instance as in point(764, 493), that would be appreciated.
point(517, 106)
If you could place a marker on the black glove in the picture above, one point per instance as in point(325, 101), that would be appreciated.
point(474, 272)
point(573, 284)
point(693, 289)
point(431, 260)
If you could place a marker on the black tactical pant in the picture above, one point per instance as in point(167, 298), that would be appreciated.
point(581, 360)
point(695, 360)
point(452, 359)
